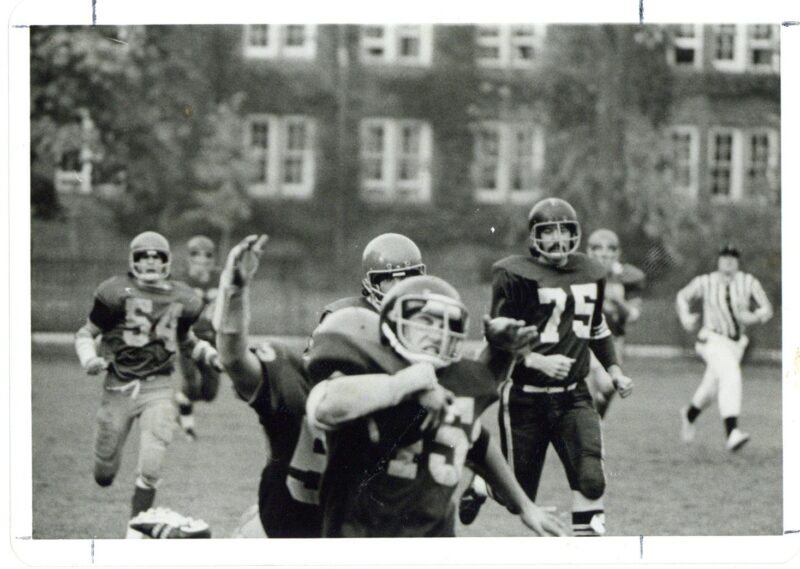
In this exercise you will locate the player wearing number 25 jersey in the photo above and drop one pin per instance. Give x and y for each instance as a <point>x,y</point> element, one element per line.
<point>401,413</point>
<point>545,399</point>
<point>143,319</point>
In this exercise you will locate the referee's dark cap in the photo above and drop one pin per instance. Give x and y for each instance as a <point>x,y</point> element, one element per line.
<point>729,250</point>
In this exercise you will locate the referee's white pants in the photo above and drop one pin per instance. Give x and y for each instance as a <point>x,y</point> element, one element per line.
<point>723,375</point>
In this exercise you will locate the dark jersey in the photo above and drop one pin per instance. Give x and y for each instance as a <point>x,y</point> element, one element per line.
<point>141,324</point>
<point>565,303</point>
<point>620,287</point>
<point>207,290</point>
<point>289,489</point>
<point>386,478</point>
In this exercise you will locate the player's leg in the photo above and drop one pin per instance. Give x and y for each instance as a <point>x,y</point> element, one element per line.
<point>727,363</point>
<point>524,434</point>
<point>113,423</point>
<point>157,426</point>
<point>705,393</point>
<point>209,382</point>
<point>579,444</point>
<point>188,394</point>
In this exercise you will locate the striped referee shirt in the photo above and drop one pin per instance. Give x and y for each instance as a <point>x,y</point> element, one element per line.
<point>724,299</point>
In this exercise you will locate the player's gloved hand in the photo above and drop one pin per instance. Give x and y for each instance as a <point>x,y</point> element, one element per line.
<point>215,361</point>
<point>435,401</point>
<point>622,383</point>
<point>96,365</point>
<point>242,262</point>
<point>508,334</point>
<point>542,523</point>
<point>206,353</point>
<point>556,366</point>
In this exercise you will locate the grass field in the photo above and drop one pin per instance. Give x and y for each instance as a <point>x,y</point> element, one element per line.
<point>656,484</point>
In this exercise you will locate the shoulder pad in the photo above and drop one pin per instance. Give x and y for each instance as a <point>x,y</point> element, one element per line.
<point>593,269</point>
<point>512,263</point>
<point>185,294</point>
<point>468,378</point>
<point>113,291</point>
<point>349,302</point>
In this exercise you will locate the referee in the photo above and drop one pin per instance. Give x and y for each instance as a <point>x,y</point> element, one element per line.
<point>731,300</point>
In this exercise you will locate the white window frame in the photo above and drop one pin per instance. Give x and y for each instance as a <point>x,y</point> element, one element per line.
<point>736,164</point>
<point>694,157</point>
<point>276,47</point>
<point>695,43</point>
<point>505,43</point>
<point>503,193</point>
<point>390,43</point>
<point>772,172</point>
<point>772,44</point>
<point>276,154</point>
<point>389,188</point>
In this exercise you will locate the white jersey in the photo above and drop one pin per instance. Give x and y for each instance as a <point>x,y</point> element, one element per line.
<point>724,299</point>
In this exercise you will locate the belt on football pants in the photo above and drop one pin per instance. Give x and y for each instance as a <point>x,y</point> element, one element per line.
<point>551,389</point>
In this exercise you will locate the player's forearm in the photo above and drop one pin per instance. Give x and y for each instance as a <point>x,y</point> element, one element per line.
<point>682,305</point>
<point>499,476</point>
<point>231,321</point>
<point>604,351</point>
<point>84,342</point>
<point>498,361</point>
<point>345,398</point>
<point>764,313</point>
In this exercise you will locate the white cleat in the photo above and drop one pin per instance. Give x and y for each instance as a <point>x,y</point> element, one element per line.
<point>736,440</point>
<point>688,429</point>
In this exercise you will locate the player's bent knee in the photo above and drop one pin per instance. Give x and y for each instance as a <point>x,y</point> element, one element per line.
<point>104,479</point>
<point>592,485</point>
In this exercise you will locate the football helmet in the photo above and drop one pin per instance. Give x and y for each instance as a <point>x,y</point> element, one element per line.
<point>555,232</point>
<point>603,245</point>
<point>424,320</point>
<point>145,245</point>
<point>390,255</point>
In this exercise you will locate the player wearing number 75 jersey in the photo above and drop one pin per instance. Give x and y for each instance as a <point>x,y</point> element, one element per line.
<point>545,399</point>
<point>143,319</point>
<point>401,411</point>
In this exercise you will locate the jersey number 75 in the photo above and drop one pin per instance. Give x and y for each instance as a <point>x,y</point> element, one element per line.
<point>585,296</point>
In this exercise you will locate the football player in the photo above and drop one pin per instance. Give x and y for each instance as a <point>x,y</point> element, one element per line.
<point>544,399</point>
<point>143,319</point>
<point>200,382</point>
<point>622,305</point>
<point>401,413</point>
<point>272,379</point>
<point>731,301</point>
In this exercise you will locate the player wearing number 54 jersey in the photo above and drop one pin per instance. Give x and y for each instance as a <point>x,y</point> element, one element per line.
<point>143,319</point>
<point>545,398</point>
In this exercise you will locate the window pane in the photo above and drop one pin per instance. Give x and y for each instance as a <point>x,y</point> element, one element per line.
<point>373,168</point>
<point>293,170</point>
<point>373,139</point>
<point>488,150</point>
<point>259,135</point>
<point>262,169</point>
<point>726,36</point>
<point>684,31</point>
<point>684,55</point>
<point>296,136</point>
<point>409,140</point>
<point>295,35</point>
<point>761,32</point>
<point>409,47</point>
<point>489,32</point>
<point>259,35</point>
<point>373,32</point>
<point>722,147</point>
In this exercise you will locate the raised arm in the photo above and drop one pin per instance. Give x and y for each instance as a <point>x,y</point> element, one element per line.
<point>232,316</point>
<point>687,294</point>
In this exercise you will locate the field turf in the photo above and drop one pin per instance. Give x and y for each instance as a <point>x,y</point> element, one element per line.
<point>656,484</point>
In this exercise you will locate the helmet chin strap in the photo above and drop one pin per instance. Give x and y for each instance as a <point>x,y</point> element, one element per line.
<point>413,357</point>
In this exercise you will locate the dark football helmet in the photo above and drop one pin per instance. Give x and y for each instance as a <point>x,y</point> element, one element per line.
<point>555,232</point>
<point>390,255</point>
<point>424,320</point>
<point>148,244</point>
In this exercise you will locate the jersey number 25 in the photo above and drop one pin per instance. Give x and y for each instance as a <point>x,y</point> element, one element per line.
<point>585,296</point>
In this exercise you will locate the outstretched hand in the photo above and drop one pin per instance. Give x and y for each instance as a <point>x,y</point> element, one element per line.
<point>242,262</point>
<point>542,523</point>
<point>508,334</point>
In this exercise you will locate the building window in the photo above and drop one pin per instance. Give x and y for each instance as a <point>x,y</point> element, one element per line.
<point>275,41</point>
<point>761,165</point>
<point>740,47</point>
<point>762,47</point>
<point>508,161</point>
<point>509,46</point>
<point>721,163</point>
<point>685,158</point>
<point>282,148</point>
<point>687,46</point>
<point>395,160</point>
<point>405,45</point>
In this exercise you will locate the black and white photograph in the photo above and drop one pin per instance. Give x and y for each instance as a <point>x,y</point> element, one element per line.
<point>365,277</point>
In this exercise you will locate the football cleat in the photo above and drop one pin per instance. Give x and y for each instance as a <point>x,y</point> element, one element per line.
<point>471,501</point>
<point>163,523</point>
<point>736,440</point>
<point>187,424</point>
<point>688,429</point>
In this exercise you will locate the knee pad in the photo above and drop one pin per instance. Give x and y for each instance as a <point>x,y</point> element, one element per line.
<point>591,479</point>
<point>103,478</point>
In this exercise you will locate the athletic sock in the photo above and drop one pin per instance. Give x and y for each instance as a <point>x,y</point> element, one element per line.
<point>692,413</point>
<point>588,516</point>
<point>730,424</point>
<point>186,408</point>
<point>143,499</point>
